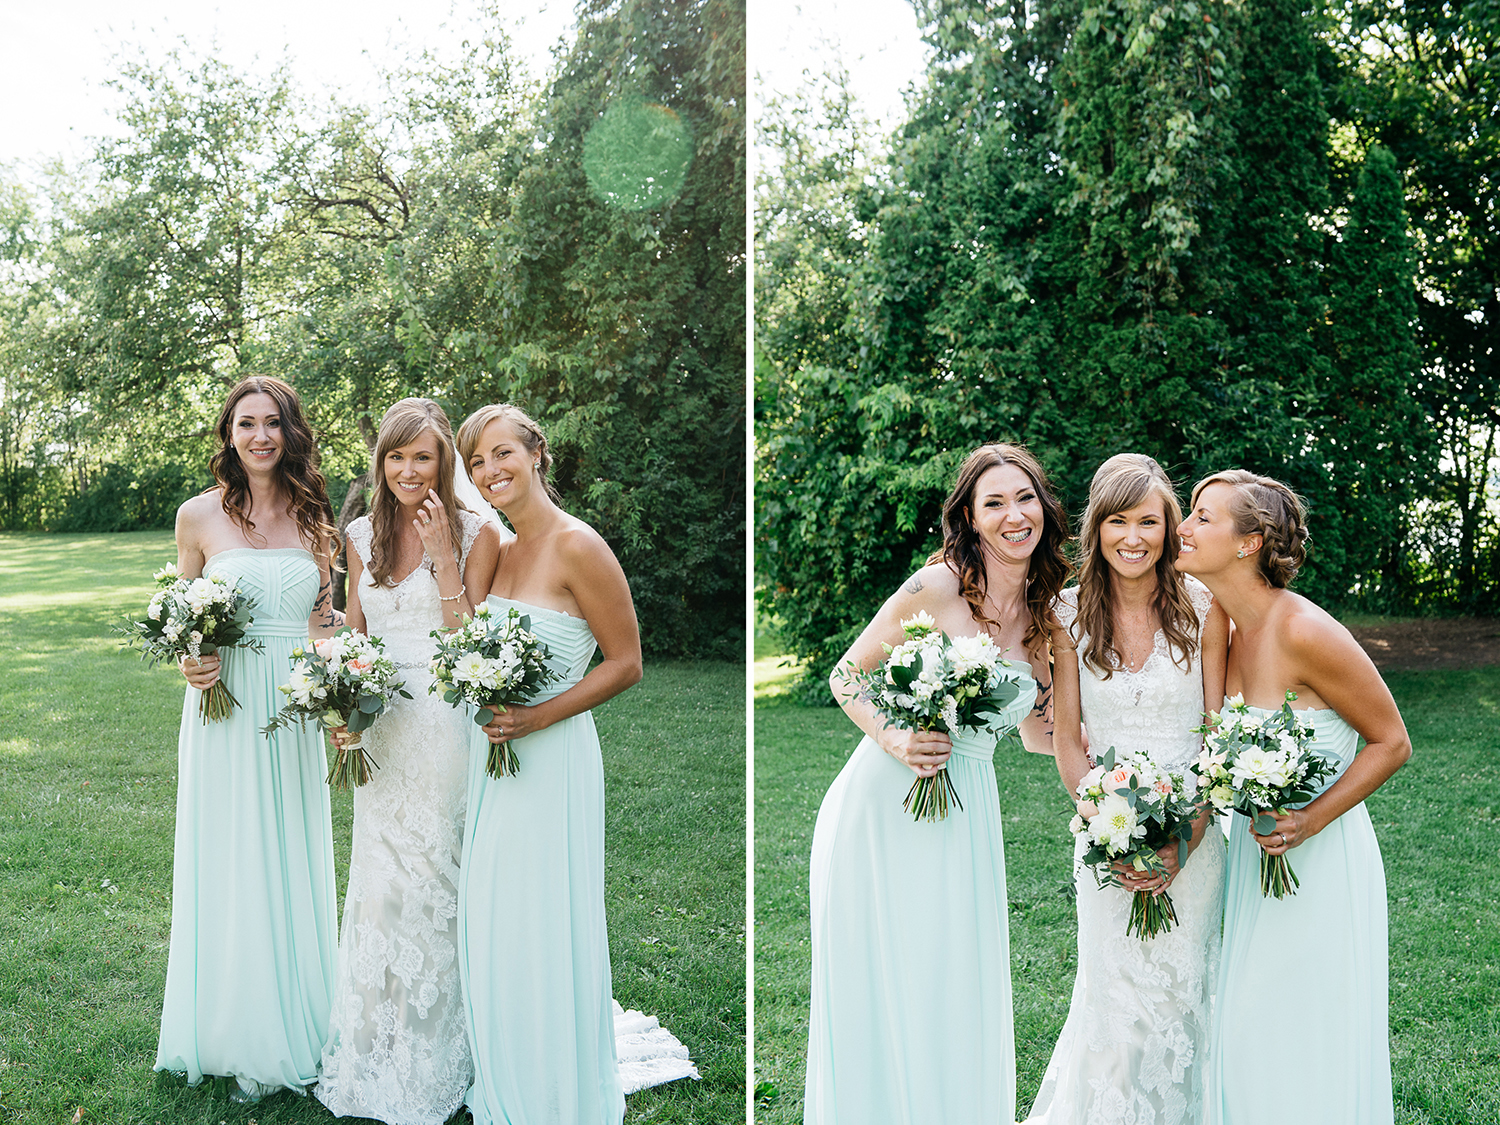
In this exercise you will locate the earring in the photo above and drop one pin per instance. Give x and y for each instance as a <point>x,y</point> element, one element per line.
<point>1239,554</point>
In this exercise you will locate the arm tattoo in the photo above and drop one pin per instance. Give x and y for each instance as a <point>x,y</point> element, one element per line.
<point>1043,700</point>
<point>330,617</point>
<point>913,584</point>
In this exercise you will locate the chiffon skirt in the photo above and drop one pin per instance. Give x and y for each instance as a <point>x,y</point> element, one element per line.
<point>250,968</point>
<point>1303,996</point>
<point>911,999</point>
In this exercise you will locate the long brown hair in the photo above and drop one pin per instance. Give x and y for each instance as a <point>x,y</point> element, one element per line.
<point>296,470</point>
<point>1125,481</point>
<point>1266,507</point>
<point>528,431</point>
<point>403,424</point>
<point>964,554</point>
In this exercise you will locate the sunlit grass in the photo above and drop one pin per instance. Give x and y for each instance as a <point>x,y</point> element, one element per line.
<point>1438,821</point>
<point>88,744</point>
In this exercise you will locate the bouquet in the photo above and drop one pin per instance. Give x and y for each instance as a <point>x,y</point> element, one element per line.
<point>933,682</point>
<point>345,681</point>
<point>1140,808</point>
<point>1253,765</point>
<point>492,662</point>
<point>194,617</point>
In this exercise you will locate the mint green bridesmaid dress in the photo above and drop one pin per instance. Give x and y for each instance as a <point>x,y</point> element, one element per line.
<point>533,951</point>
<point>250,968</point>
<point>911,997</point>
<point>1300,1022</point>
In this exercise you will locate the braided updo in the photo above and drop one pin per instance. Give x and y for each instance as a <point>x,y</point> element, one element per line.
<point>1265,507</point>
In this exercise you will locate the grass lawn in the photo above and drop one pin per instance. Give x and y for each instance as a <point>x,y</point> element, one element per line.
<point>88,741</point>
<point>1438,821</point>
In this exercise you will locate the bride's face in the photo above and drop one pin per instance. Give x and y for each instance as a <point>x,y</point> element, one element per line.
<point>412,469</point>
<point>1209,540</point>
<point>1132,542</point>
<point>1007,513</point>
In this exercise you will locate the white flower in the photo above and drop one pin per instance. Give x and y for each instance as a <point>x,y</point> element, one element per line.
<point>1077,825</point>
<point>950,712</point>
<point>969,653</point>
<point>1222,796</point>
<point>153,611</point>
<point>469,668</point>
<point>906,702</point>
<point>301,686</point>
<point>919,625</point>
<point>1267,767</point>
<point>1116,825</point>
<point>167,573</point>
<point>1288,744</point>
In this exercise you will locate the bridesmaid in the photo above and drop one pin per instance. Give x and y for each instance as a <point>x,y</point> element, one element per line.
<point>911,997</point>
<point>254,922</point>
<point>533,952</point>
<point>1324,1048</point>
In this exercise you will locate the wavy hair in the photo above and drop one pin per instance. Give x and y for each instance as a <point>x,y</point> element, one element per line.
<point>297,470</point>
<point>964,554</point>
<point>402,424</point>
<point>528,431</point>
<point>1126,481</point>
<point>1266,507</point>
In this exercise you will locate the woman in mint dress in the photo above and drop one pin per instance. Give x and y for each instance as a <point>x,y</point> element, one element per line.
<point>254,924</point>
<point>1300,1018</point>
<point>911,997</point>
<point>533,951</point>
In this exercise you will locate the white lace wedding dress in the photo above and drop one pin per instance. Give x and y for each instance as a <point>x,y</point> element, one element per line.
<point>398,1049</point>
<point>1135,1047</point>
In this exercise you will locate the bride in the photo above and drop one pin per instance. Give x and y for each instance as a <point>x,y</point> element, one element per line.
<point>398,1050</point>
<point>1150,646</point>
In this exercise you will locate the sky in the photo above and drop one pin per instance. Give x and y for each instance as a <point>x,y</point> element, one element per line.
<point>877,41</point>
<point>55,54</point>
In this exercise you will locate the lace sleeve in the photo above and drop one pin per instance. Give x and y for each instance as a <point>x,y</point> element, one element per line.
<point>360,535</point>
<point>472,525</point>
<point>1201,597</point>
<point>1066,607</point>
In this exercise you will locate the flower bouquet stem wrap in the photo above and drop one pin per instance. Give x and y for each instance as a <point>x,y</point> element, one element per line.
<point>1139,807</point>
<point>345,680</point>
<point>1257,765</point>
<point>492,662</point>
<point>933,682</point>
<point>195,617</point>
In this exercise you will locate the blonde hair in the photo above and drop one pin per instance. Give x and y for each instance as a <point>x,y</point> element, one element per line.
<point>1126,481</point>
<point>1265,507</point>
<point>528,431</point>
<point>403,424</point>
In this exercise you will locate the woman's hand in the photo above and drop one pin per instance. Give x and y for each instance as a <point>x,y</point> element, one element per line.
<point>432,527</point>
<point>924,752</point>
<point>202,673</point>
<point>1292,827</point>
<point>516,721</point>
<point>340,736</point>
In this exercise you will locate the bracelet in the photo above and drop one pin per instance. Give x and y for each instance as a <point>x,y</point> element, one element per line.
<point>454,598</point>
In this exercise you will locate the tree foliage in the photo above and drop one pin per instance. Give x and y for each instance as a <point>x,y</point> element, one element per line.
<point>1104,227</point>
<point>449,243</point>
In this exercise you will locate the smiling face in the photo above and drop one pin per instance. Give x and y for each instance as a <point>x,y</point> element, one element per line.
<point>1209,540</point>
<point>501,466</point>
<point>1007,513</point>
<point>255,432</point>
<point>412,469</point>
<point>1132,541</point>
